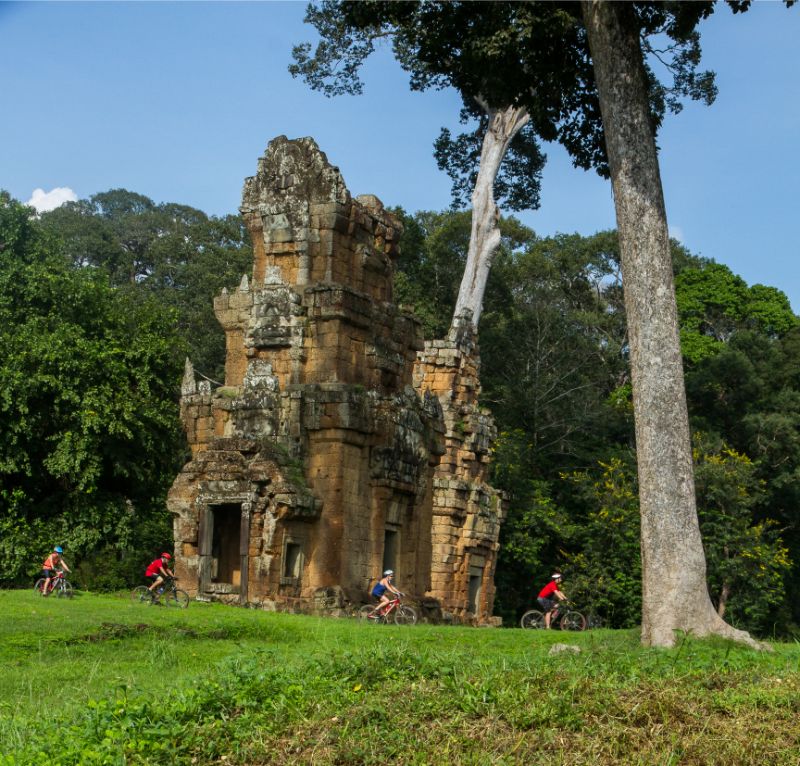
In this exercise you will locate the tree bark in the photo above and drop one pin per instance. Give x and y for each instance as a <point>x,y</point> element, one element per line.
<point>674,588</point>
<point>484,239</point>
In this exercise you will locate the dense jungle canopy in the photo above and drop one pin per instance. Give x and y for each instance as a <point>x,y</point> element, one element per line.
<point>101,300</point>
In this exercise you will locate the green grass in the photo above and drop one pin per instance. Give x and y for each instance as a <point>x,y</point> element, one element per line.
<point>130,684</point>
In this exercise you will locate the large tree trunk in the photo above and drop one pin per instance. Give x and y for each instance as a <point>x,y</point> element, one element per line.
<point>504,124</point>
<point>674,589</point>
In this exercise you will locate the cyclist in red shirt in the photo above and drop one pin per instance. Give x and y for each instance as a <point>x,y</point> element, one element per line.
<point>546,600</point>
<point>158,570</point>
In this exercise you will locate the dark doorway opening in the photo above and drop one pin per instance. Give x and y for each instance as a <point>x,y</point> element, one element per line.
<point>225,544</point>
<point>475,582</point>
<point>292,561</point>
<point>390,545</point>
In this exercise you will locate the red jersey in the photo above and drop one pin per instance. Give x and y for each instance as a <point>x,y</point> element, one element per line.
<point>52,561</point>
<point>548,589</point>
<point>154,568</point>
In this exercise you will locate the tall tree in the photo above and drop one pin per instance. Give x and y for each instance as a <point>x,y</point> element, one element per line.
<point>674,585</point>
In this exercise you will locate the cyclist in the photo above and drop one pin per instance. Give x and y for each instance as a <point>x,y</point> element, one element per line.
<point>379,591</point>
<point>546,600</point>
<point>50,568</point>
<point>158,571</point>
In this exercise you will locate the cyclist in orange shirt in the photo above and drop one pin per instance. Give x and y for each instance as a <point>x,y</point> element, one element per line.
<point>50,568</point>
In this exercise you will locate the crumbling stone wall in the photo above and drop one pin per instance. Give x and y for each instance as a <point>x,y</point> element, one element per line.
<point>467,512</point>
<point>312,468</point>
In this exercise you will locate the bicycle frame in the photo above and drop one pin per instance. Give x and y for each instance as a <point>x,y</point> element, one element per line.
<point>390,607</point>
<point>167,593</point>
<point>564,616</point>
<point>58,585</point>
<point>54,581</point>
<point>392,610</point>
<point>166,587</point>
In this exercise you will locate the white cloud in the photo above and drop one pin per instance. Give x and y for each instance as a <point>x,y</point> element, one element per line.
<point>44,201</point>
<point>676,232</point>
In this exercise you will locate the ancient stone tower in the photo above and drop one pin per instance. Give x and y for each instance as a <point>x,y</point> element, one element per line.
<point>340,445</point>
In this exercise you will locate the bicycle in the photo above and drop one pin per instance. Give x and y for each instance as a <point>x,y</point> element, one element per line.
<point>563,616</point>
<point>62,587</point>
<point>400,613</point>
<point>167,593</point>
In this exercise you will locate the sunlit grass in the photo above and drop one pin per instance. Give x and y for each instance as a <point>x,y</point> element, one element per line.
<point>139,685</point>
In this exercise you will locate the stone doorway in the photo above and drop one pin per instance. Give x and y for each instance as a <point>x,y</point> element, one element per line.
<point>223,566</point>
<point>474,594</point>
<point>225,542</point>
<point>390,547</point>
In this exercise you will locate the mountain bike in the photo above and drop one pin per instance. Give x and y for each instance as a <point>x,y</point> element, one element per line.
<point>563,616</point>
<point>58,584</point>
<point>394,611</point>
<point>167,594</point>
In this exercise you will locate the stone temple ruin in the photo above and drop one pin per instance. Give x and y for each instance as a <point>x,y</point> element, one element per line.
<point>340,444</point>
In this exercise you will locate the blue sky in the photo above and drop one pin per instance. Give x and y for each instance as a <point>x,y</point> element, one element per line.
<point>178,100</point>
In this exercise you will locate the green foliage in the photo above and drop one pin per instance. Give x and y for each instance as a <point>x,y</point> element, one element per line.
<point>433,251</point>
<point>533,528</point>
<point>749,395</point>
<point>174,253</point>
<point>714,304</point>
<point>606,569</point>
<point>553,346</point>
<point>555,375</point>
<point>88,380</point>
<point>553,336</point>
<point>533,55</point>
<point>490,53</point>
<point>746,559</point>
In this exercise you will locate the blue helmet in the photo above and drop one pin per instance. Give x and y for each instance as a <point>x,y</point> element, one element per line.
<point>58,549</point>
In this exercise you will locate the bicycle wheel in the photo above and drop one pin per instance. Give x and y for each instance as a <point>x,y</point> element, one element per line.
<point>532,619</point>
<point>176,598</point>
<point>39,585</point>
<point>573,620</point>
<point>140,594</point>
<point>405,615</point>
<point>365,612</point>
<point>64,590</point>
<point>593,621</point>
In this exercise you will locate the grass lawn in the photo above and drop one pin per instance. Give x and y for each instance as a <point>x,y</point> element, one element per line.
<point>101,680</point>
